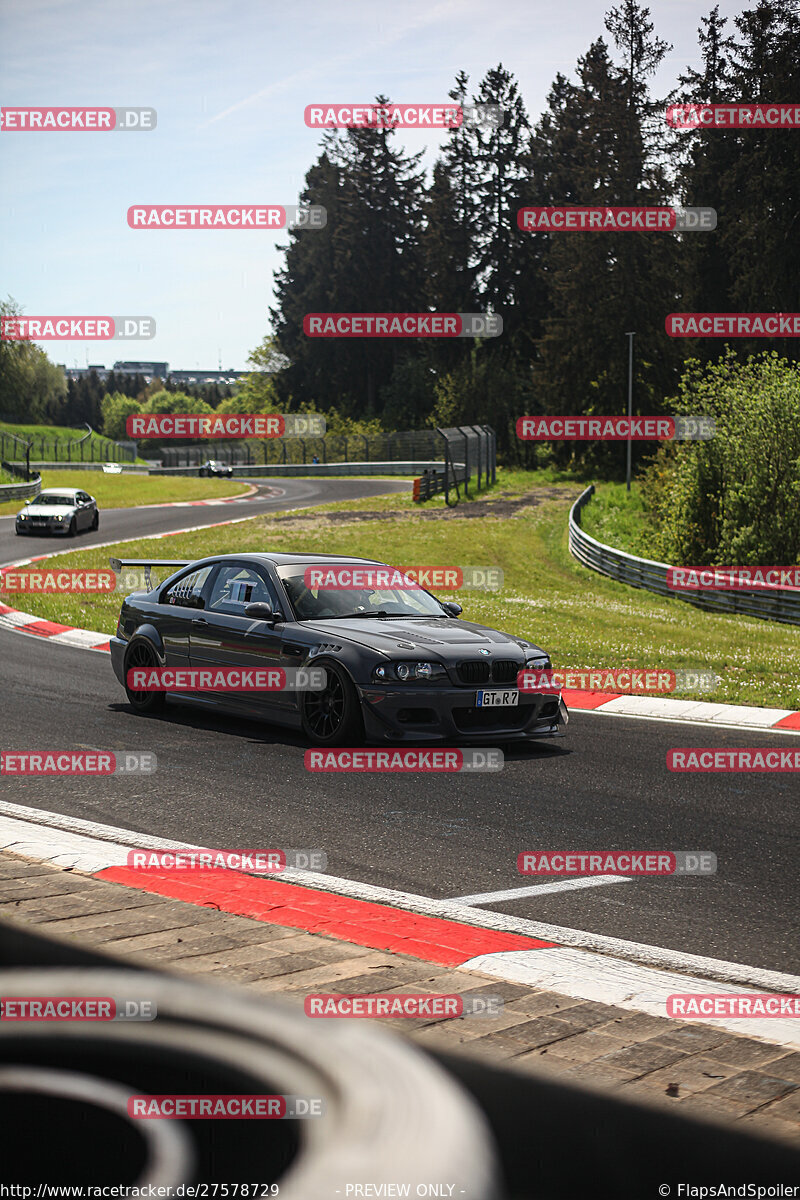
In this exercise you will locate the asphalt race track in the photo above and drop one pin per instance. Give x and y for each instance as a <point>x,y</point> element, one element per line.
<point>118,524</point>
<point>226,782</point>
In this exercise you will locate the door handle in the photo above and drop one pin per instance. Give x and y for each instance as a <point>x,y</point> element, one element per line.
<point>199,621</point>
<point>294,651</point>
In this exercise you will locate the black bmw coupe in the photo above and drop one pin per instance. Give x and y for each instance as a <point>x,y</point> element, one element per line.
<point>400,666</point>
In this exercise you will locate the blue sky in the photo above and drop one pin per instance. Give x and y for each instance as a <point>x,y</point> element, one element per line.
<point>230,80</point>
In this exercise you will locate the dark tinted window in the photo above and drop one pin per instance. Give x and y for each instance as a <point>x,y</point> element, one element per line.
<point>236,586</point>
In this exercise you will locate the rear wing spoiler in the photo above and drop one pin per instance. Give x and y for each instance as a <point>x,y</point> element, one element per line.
<point>144,565</point>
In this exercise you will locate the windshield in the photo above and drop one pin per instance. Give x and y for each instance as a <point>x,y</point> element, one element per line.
<point>58,500</point>
<point>354,590</point>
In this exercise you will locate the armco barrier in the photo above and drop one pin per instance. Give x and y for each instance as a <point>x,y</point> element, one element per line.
<point>779,605</point>
<point>126,468</point>
<point>23,490</point>
<point>323,470</point>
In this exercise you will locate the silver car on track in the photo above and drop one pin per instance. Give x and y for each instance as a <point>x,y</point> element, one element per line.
<point>59,510</point>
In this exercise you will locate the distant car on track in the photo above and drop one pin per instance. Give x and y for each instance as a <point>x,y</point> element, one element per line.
<point>112,468</point>
<point>59,510</point>
<point>400,666</point>
<point>213,466</point>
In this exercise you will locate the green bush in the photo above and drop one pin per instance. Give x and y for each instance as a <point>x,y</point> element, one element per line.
<point>735,499</point>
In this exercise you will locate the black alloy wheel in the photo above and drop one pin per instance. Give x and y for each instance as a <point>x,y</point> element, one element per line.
<point>141,654</point>
<point>333,717</point>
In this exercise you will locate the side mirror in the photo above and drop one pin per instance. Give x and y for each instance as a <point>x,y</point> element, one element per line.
<point>453,609</point>
<point>262,611</point>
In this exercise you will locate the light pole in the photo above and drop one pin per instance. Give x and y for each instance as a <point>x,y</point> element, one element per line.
<point>630,337</point>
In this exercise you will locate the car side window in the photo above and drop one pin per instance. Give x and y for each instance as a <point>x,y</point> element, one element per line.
<point>186,589</point>
<point>236,586</point>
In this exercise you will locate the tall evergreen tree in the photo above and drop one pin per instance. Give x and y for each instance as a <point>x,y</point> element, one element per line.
<point>367,259</point>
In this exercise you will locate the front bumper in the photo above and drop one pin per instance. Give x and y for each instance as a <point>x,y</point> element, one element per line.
<point>416,715</point>
<point>50,527</point>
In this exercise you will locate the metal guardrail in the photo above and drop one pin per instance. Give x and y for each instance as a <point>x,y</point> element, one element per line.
<point>19,491</point>
<point>312,470</point>
<point>774,605</point>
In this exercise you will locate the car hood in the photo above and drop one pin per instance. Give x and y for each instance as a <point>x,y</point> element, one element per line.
<point>446,638</point>
<point>49,510</point>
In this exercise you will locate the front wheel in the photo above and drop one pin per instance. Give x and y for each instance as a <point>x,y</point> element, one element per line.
<point>333,717</point>
<point>141,654</point>
<point>95,522</point>
<point>73,528</point>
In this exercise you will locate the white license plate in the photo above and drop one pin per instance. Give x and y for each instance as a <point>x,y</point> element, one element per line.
<point>498,699</point>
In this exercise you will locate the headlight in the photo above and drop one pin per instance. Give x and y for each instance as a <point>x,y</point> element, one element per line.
<point>540,663</point>
<point>405,672</point>
<point>22,517</point>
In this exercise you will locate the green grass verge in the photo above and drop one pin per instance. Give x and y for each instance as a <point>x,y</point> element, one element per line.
<point>131,491</point>
<point>617,517</point>
<point>583,619</point>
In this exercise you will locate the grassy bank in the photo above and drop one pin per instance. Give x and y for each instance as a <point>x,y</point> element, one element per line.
<point>618,518</point>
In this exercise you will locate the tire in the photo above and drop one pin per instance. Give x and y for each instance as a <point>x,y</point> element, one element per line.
<point>333,717</point>
<point>141,654</point>
<point>73,528</point>
<point>96,522</point>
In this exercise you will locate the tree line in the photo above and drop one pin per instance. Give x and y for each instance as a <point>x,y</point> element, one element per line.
<point>398,241</point>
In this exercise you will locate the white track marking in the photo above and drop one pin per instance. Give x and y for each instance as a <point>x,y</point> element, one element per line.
<point>541,889</point>
<point>587,976</point>
<point>688,710</point>
<point>702,723</point>
<point>675,960</point>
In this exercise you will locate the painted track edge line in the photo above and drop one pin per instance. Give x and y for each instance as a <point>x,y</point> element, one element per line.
<point>598,944</point>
